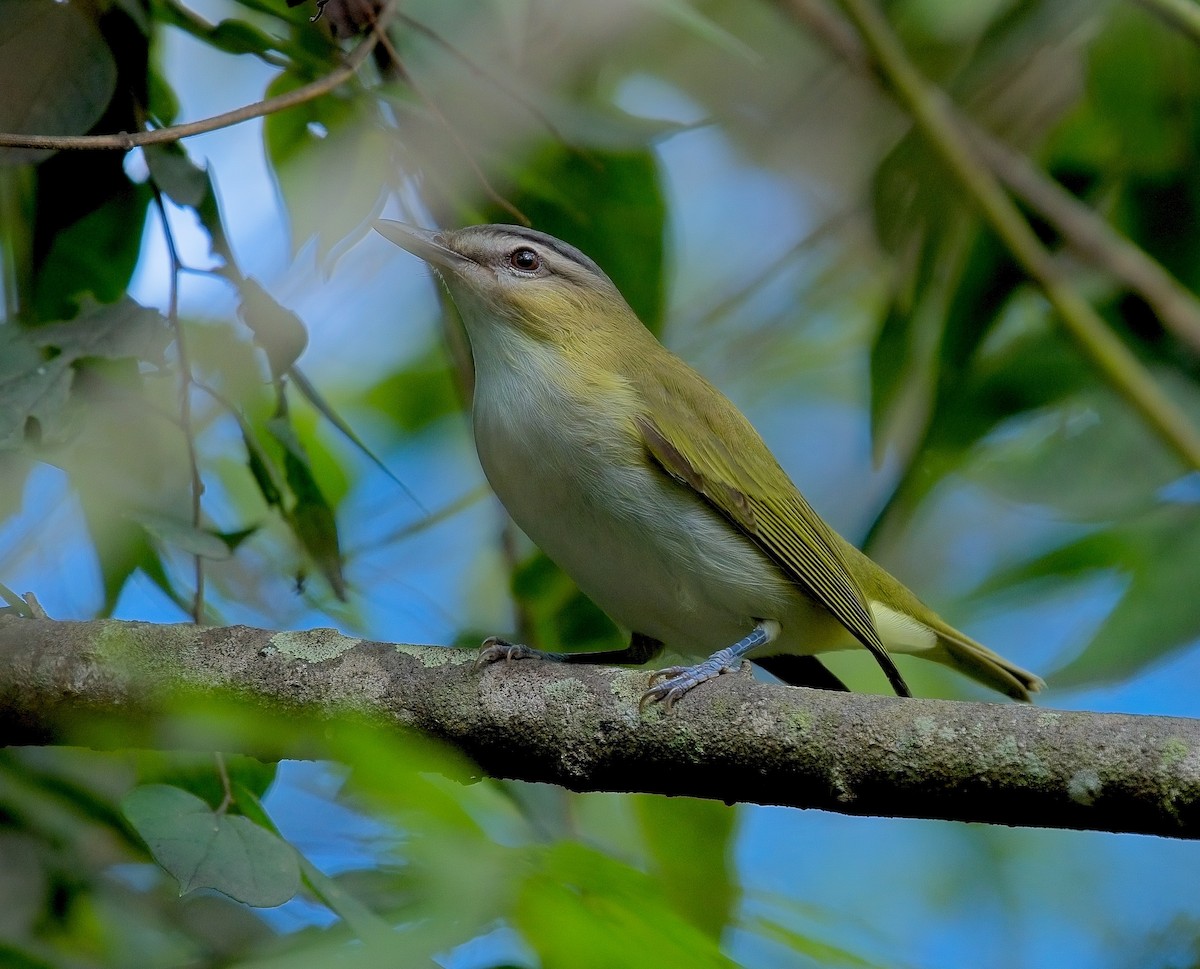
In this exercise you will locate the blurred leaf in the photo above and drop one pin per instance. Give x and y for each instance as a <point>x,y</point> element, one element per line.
<point>56,72</point>
<point>183,535</point>
<point>197,773</point>
<point>584,910</point>
<point>325,409</point>
<point>690,842</point>
<point>262,469</point>
<point>204,849</point>
<point>417,395</point>
<point>311,518</point>
<point>37,365</point>
<point>332,161</point>
<point>607,203</point>
<point>708,30</point>
<point>95,255</point>
<point>24,885</point>
<point>1039,457</point>
<point>563,617</point>
<point>173,171</point>
<point>821,953</point>
<point>1156,615</point>
<point>276,329</point>
<point>1144,83</point>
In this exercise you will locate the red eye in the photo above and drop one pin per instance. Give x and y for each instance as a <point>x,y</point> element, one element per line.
<point>525,260</point>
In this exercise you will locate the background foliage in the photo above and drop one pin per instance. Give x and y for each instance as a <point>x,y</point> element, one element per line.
<point>222,397</point>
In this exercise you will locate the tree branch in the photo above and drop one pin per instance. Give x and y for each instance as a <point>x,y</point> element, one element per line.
<point>125,140</point>
<point>734,740</point>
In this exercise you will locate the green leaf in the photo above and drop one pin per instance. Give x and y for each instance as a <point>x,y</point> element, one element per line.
<point>561,614</point>
<point>608,203</point>
<point>204,849</point>
<point>1076,457</point>
<point>183,181</point>
<point>419,394</point>
<point>95,255</point>
<point>311,518</point>
<point>56,72</point>
<point>197,773</point>
<point>325,409</point>
<point>585,910</point>
<point>690,841</point>
<point>1156,615</point>
<point>183,535</point>
<point>37,366</point>
<point>820,953</point>
<point>276,329</point>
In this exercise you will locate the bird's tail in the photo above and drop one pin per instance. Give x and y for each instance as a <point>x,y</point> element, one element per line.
<point>991,669</point>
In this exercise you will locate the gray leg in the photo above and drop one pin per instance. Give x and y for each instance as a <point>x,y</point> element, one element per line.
<point>680,679</point>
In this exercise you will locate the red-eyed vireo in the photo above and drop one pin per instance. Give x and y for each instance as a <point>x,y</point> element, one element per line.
<point>653,491</point>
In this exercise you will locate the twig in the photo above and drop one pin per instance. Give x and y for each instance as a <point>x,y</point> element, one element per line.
<point>463,148</point>
<point>185,401</point>
<point>125,140</point>
<point>1094,239</point>
<point>1080,227</point>
<point>933,113</point>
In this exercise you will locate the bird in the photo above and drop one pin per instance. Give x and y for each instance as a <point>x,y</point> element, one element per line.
<point>649,487</point>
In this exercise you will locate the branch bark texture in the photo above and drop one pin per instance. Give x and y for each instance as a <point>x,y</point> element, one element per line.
<point>734,740</point>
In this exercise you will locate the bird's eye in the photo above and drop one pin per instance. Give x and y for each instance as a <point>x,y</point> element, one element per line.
<point>524,260</point>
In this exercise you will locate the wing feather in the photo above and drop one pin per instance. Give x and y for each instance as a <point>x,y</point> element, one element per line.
<point>754,493</point>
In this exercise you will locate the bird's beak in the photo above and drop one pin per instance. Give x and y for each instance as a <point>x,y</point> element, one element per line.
<point>423,243</point>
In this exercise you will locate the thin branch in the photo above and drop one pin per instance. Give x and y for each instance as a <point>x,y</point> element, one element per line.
<point>735,739</point>
<point>125,140</point>
<point>1094,239</point>
<point>535,112</point>
<point>933,113</point>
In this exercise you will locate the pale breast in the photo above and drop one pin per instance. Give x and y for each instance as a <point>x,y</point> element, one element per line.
<point>644,548</point>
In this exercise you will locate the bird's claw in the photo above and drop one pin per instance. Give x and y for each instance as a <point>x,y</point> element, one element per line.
<point>677,681</point>
<point>494,648</point>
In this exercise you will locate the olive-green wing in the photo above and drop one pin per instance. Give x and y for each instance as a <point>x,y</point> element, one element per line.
<point>755,494</point>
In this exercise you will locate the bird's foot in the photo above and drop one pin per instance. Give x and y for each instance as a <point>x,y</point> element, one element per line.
<point>678,680</point>
<point>494,648</point>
